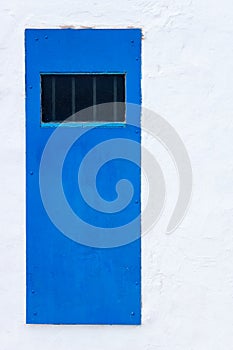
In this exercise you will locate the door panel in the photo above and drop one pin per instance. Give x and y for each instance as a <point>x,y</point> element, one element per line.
<point>68,281</point>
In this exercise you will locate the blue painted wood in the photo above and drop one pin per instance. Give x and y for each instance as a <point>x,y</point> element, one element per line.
<point>69,283</point>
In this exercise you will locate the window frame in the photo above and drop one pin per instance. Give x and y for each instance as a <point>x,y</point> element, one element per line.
<point>104,124</point>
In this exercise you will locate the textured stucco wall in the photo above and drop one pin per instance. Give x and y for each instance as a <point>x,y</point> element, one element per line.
<point>187,79</point>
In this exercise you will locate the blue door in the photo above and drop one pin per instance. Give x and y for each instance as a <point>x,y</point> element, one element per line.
<point>83,176</point>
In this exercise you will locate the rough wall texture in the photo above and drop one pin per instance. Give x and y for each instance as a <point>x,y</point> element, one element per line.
<point>187,78</point>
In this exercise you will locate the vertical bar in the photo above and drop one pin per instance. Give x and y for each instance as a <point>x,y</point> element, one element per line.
<point>73,98</point>
<point>115,98</point>
<point>94,98</point>
<point>53,98</point>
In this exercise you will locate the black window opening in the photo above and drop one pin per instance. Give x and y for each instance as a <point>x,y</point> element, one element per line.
<point>63,95</point>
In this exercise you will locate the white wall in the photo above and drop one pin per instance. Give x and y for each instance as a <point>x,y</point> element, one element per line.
<point>188,79</point>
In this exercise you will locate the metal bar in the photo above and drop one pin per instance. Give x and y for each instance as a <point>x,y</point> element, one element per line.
<point>94,99</point>
<point>73,99</point>
<point>115,98</point>
<point>53,98</point>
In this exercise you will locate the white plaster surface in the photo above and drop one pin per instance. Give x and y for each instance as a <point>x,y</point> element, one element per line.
<point>188,79</point>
